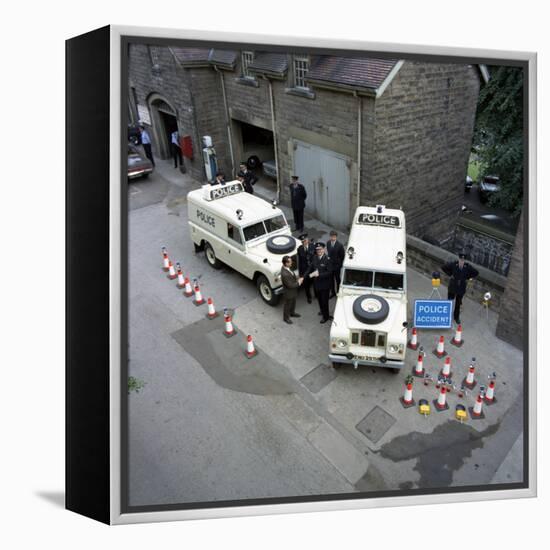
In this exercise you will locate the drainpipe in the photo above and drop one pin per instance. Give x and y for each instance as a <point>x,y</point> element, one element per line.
<point>275,140</point>
<point>359,140</point>
<point>228,121</point>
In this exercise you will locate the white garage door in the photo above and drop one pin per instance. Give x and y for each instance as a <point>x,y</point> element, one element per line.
<point>326,177</point>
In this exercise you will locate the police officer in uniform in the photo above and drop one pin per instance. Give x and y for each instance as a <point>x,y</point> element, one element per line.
<point>249,179</point>
<point>298,196</point>
<point>306,251</point>
<point>459,272</point>
<point>320,271</point>
<point>291,283</point>
<point>336,252</point>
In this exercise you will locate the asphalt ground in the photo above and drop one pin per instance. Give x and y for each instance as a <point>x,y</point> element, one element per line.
<point>211,424</point>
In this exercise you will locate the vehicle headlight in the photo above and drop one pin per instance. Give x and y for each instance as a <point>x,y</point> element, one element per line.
<point>342,343</point>
<point>394,348</point>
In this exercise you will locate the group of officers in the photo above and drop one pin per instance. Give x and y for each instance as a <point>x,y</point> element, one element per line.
<point>319,266</point>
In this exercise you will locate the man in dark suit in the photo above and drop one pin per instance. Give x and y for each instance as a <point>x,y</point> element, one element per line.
<point>249,179</point>
<point>320,271</point>
<point>291,283</point>
<point>459,272</point>
<point>298,196</point>
<point>336,253</point>
<point>306,251</point>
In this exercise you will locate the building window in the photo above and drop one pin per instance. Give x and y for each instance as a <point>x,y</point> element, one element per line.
<point>301,66</point>
<point>247,58</point>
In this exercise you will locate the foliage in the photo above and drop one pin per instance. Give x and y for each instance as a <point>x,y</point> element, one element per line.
<point>498,135</point>
<point>135,384</point>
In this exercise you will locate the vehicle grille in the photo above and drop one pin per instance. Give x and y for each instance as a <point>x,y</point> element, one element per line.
<point>372,339</point>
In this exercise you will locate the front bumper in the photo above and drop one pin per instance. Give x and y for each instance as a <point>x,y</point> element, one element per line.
<point>355,361</point>
<point>139,173</point>
<point>278,290</point>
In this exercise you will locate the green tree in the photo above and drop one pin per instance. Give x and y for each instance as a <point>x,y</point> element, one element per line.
<point>498,135</point>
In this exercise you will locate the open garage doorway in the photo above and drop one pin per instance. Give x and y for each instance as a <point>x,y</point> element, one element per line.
<point>258,151</point>
<point>164,123</point>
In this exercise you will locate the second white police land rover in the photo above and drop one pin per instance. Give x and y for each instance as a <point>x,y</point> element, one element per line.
<point>244,232</point>
<point>370,317</point>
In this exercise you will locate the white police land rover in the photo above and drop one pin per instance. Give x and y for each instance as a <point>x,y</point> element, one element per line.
<point>370,318</point>
<point>244,232</point>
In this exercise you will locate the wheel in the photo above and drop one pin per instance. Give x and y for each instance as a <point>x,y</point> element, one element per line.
<point>266,292</point>
<point>395,370</point>
<point>145,176</point>
<point>211,256</point>
<point>370,309</point>
<point>253,162</point>
<point>281,244</point>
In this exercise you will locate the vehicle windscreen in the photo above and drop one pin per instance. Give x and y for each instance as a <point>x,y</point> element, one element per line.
<point>275,223</point>
<point>358,277</point>
<point>254,231</point>
<point>388,281</point>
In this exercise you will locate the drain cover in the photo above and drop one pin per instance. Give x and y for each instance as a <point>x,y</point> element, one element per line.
<point>376,424</point>
<point>315,380</point>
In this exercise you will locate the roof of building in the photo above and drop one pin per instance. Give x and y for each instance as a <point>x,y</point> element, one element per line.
<point>376,246</point>
<point>356,72</point>
<point>192,56</point>
<point>223,58</point>
<point>275,64</point>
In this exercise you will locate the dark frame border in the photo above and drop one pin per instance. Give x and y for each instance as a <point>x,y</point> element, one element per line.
<point>126,40</point>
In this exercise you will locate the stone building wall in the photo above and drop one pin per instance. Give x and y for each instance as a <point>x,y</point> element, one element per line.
<point>423,125</point>
<point>511,318</point>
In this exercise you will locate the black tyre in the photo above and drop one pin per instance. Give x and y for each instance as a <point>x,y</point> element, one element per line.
<point>281,244</point>
<point>253,162</point>
<point>266,292</point>
<point>370,309</point>
<point>211,256</point>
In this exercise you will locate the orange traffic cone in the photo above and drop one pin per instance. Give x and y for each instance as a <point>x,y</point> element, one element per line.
<point>413,342</point>
<point>165,259</point>
<point>212,313</point>
<point>250,349</point>
<point>171,271</point>
<point>229,329</point>
<point>440,403</point>
<point>457,339</point>
<point>476,412</point>
<point>446,370</point>
<point>188,292</point>
<point>490,395</point>
<point>181,280</point>
<point>407,399</point>
<point>418,370</point>
<point>439,351</point>
<point>199,300</point>
<point>470,381</point>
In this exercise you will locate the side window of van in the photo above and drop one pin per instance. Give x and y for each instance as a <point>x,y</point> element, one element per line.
<point>234,233</point>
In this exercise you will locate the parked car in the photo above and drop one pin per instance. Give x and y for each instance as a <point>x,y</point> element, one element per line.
<point>270,169</point>
<point>468,184</point>
<point>133,134</point>
<point>488,186</point>
<point>139,166</point>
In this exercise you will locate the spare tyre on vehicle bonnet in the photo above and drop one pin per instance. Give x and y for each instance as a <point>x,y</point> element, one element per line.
<point>281,244</point>
<point>370,309</point>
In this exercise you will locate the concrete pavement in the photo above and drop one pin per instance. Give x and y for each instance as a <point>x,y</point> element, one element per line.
<point>210,426</point>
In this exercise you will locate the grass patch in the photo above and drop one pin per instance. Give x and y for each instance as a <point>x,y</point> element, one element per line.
<point>474,168</point>
<point>135,384</point>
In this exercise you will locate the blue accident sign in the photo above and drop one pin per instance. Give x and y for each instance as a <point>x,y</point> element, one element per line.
<point>433,313</point>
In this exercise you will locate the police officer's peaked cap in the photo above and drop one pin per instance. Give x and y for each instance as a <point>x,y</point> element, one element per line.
<point>319,245</point>
<point>294,177</point>
<point>462,256</point>
<point>303,236</point>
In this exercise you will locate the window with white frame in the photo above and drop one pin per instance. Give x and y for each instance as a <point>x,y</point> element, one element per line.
<point>301,67</point>
<point>247,58</point>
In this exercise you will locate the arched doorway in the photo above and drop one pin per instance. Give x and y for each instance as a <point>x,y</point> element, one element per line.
<point>164,121</point>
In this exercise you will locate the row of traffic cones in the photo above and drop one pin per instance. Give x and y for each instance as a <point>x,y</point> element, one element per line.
<point>440,404</point>
<point>188,291</point>
<point>440,346</point>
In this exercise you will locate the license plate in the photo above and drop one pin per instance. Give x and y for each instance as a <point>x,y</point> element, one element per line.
<point>364,358</point>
